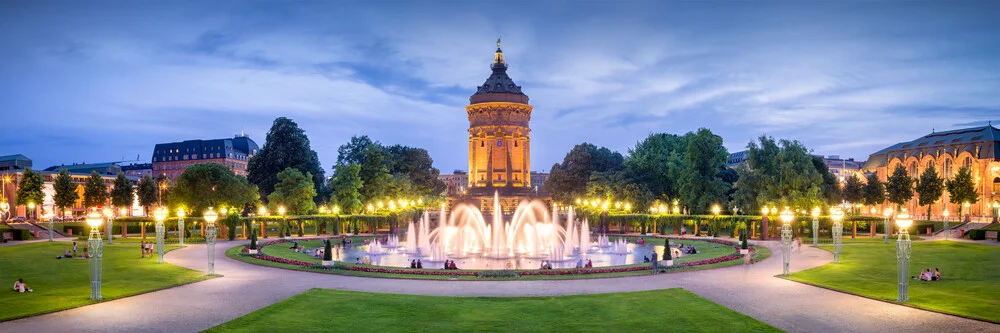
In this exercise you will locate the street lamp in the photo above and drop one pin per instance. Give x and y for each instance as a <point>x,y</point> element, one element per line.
<point>903,254</point>
<point>160,214</point>
<point>180,224</point>
<point>885,224</point>
<point>262,211</point>
<point>31,209</point>
<point>50,216</point>
<point>94,220</point>
<point>281,211</point>
<point>109,214</point>
<point>786,239</point>
<point>838,231</point>
<point>945,213</point>
<point>996,209</point>
<point>968,210</point>
<point>815,214</point>
<point>210,217</point>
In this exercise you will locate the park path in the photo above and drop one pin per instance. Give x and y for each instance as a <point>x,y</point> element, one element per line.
<point>244,288</point>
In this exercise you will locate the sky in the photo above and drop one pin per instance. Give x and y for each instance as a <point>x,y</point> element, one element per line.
<point>105,81</point>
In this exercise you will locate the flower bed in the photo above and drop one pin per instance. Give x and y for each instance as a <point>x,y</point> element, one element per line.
<point>437,272</point>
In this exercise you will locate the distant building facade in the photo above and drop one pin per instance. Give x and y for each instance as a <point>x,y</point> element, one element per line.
<point>10,179</point>
<point>977,148</point>
<point>737,158</point>
<point>844,167</point>
<point>138,170</point>
<point>171,159</point>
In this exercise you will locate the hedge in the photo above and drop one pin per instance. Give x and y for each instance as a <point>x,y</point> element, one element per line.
<point>17,234</point>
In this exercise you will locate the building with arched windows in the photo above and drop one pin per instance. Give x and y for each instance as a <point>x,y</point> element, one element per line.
<point>948,151</point>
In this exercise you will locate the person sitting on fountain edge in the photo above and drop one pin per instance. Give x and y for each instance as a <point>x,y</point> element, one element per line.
<point>453,265</point>
<point>589,264</point>
<point>645,259</point>
<point>579,263</point>
<point>419,264</point>
<point>413,264</point>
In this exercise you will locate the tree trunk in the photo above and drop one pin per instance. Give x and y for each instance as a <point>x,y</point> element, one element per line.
<point>263,228</point>
<point>854,234</point>
<point>764,228</point>
<point>872,227</point>
<point>124,229</point>
<point>142,229</point>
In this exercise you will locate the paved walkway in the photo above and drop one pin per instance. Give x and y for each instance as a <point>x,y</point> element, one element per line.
<point>752,290</point>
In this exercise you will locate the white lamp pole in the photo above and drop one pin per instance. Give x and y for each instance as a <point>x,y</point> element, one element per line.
<point>109,214</point>
<point>903,255</point>
<point>180,225</point>
<point>815,214</point>
<point>786,239</point>
<point>885,224</point>
<point>160,214</point>
<point>50,216</point>
<point>838,231</point>
<point>946,231</point>
<point>94,220</point>
<point>210,217</point>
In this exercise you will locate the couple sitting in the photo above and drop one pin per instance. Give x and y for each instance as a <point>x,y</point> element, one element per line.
<point>20,287</point>
<point>450,264</point>
<point>545,265</point>
<point>65,255</point>
<point>416,264</point>
<point>927,275</point>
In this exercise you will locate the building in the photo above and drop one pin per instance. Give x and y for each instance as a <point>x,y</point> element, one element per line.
<point>844,167</point>
<point>499,142</point>
<point>976,148</point>
<point>11,176</point>
<point>737,158</point>
<point>170,159</point>
<point>138,170</point>
<point>457,182</point>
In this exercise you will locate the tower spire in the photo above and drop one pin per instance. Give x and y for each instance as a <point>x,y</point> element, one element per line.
<point>498,57</point>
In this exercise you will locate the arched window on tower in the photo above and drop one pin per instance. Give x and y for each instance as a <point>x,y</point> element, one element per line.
<point>913,169</point>
<point>968,162</point>
<point>482,143</point>
<point>947,169</point>
<point>499,143</point>
<point>515,144</point>
<point>996,185</point>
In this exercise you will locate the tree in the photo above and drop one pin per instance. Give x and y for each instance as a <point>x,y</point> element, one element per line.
<point>346,183</point>
<point>372,158</point>
<point>962,189</point>
<point>212,185</point>
<point>95,193</point>
<point>657,162</point>
<point>830,190</point>
<point>122,195</point>
<point>569,179</point>
<point>29,190</point>
<point>899,187</point>
<point>66,195</point>
<point>781,172</point>
<point>286,146</point>
<point>929,189</point>
<point>704,159</point>
<point>854,191</point>
<point>874,190</point>
<point>295,191</point>
<point>147,193</point>
<point>418,167</point>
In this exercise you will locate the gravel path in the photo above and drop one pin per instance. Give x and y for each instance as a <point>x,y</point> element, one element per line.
<point>752,290</point>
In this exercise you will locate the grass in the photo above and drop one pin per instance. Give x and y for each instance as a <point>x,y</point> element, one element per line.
<point>866,239</point>
<point>970,284</point>
<point>65,283</point>
<point>705,251</point>
<point>324,310</point>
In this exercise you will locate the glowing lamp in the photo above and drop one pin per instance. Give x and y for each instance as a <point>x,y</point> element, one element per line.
<point>945,213</point>
<point>787,216</point>
<point>836,214</point>
<point>815,212</point>
<point>94,219</point>
<point>903,220</point>
<point>160,214</point>
<point>211,216</point>
<point>281,210</point>
<point>262,211</point>
<point>715,209</point>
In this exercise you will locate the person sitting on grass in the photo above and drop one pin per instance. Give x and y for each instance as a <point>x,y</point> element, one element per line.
<point>413,264</point>
<point>452,266</point>
<point>65,255</point>
<point>579,263</point>
<point>420,264</point>
<point>645,259</point>
<point>589,264</point>
<point>925,275</point>
<point>20,287</point>
<point>937,275</point>
<point>357,260</point>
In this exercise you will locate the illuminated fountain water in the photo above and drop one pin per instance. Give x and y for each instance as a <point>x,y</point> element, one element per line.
<point>392,242</point>
<point>602,242</point>
<point>376,248</point>
<point>620,246</point>
<point>532,232</point>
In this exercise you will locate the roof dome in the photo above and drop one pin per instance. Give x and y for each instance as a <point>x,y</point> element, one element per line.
<point>499,87</point>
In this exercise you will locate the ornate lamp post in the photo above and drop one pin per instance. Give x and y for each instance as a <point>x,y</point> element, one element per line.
<point>4,207</point>
<point>180,224</point>
<point>996,209</point>
<point>945,213</point>
<point>885,224</point>
<point>94,220</point>
<point>715,219</point>
<point>108,214</point>
<point>281,211</point>
<point>160,214</point>
<point>815,214</point>
<point>262,212</point>
<point>968,210</point>
<point>31,209</point>
<point>50,216</point>
<point>786,239</point>
<point>838,232</point>
<point>210,217</point>
<point>903,255</point>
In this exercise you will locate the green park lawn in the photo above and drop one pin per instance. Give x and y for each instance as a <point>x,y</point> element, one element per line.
<point>970,284</point>
<point>324,310</point>
<point>61,284</point>
<point>706,250</point>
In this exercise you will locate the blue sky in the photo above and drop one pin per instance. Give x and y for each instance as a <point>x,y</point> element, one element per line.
<point>98,81</point>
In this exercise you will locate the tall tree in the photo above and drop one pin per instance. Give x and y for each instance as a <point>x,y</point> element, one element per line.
<point>294,191</point>
<point>568,180</point>
<point>346,184</point>
<point>286,146</point>
<point>29,189</point>
<point>122,195</point>
<point>829,188</point>
<point>781,172</point>
<point>704,159</point>
<point>373,160</point>
<point>874,190</point>
<point>147,193</point>
<point>899,187</point>
<point>929,189</point>
<point>962,189</point>
<point>853,191</point>
<point>658,162</point>
<point>212,185</point>
<point>416,165</point>
<point>95,193</point>
<point>66,194</point>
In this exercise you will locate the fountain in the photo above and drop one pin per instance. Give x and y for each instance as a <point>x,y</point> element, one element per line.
<point>620,246</point>
<point>376,248</point>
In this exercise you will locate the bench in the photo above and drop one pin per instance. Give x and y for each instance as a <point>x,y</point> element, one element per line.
<point>991,235</point>
<point>7,236</point>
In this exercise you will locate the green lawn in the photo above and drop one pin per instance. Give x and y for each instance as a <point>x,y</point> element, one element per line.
<point>706,250</point>
<point>866,239</point>
<point>970,284</point>
<point>61,284</point>
<point>324,310</point>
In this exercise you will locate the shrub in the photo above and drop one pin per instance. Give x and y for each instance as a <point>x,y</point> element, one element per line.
<point>666,249</point>
<point>977,234</point>
<point>253,239</point>
<point>328,250</point>
<point>498,274</point>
